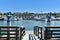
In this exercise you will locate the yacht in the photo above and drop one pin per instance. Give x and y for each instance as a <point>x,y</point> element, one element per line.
<point>39,18</point>
<point>55,19</point>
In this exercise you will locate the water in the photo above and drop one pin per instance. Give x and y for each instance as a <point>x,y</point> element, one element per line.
<point>29,24</point>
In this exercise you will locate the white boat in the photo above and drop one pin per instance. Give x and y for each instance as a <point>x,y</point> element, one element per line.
<point>20,18</point>
<point>39,19</point>
<point>55,19</point>
<point>1,18</point>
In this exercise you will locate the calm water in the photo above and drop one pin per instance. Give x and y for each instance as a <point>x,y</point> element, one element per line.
<point>29,24</point>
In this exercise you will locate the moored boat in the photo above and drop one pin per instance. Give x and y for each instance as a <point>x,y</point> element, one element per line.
<point>39,19</point>
<point>1,18</point>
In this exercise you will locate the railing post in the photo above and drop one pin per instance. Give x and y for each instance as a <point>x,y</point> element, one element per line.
<point>8,35</point>
<point>0,33</point>
<point>45,34</point>
<point>16,34</point>
<point>41,33</point>
<point>38,32</point>
<point>22,32</point>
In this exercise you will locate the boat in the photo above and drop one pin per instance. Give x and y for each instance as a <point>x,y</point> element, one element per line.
<point>14,18</point>
<point>1,18</point>
<point>39,18</point>
<point>55,19</point>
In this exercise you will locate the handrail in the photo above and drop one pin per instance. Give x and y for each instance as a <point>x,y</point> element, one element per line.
<point>50,31</point>
<point>22,32</point>
<point>9,32</point>
<point>38,31</point>
<point>12,30</point>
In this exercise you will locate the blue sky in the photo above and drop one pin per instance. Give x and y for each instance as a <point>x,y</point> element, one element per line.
<point>30,5</point>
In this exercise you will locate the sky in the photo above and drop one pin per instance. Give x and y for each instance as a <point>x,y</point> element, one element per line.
<point>30,6</point>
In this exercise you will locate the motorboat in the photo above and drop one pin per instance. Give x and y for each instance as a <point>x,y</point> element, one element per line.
<point>55,19</point>
<point>39,18</point>
<point>1,18</point>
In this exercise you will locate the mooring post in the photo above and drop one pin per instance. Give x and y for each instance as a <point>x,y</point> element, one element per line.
<point>8,18</point>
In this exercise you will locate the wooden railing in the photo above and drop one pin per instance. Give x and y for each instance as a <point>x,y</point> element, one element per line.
<point>22,32</point>
<point>11,32</point>
<point>52,32</point>
<point>38,32</point>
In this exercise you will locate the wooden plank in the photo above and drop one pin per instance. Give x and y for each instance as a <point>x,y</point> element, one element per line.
<point>49,32</point>
<point>9,27</point>
<point>8,32</point>
<point>52,27</point>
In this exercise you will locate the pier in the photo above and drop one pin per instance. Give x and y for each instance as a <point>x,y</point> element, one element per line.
<point>20,33</point>
<point>50,33</point>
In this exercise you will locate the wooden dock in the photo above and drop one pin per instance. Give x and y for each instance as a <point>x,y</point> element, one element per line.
<point>19,33</point>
